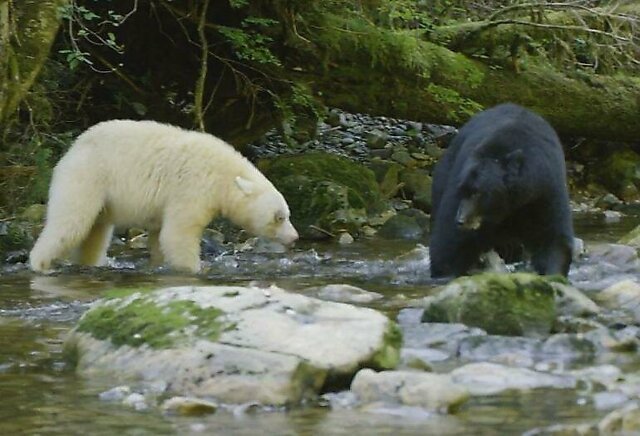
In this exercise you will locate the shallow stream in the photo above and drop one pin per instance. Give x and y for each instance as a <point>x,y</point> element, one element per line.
<point>39,394</point>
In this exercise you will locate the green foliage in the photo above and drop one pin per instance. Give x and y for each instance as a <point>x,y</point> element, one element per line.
<point>249,45</point>
<point>95,29</point>
<point>459,108</point>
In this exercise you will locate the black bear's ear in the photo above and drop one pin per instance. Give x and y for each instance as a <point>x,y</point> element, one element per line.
<point>513,162</point>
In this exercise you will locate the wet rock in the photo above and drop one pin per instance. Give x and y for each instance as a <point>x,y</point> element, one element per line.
<point>500,349</point>
<point>16,236</point>
<point>345,238</point>
<point>624,421</point>
<point>212,243</point>
<point>608,201</point>
<point>139,242</point>
<point>336,119</point>
<point>346,294</point>
<point>603,375</point>
<point>612,216</point>
<point>518,304</point>
<point>417,184</point>
<point>619,172</point>
<point>119,393</point>
<point>136,401</point>
<point>401,227</point>
<point>623,295</point>
<point>404,158</point>
<point>431,342</point>
<point>376,139</point>
<point>34,214</point>
<point>609,400</point>
<point>564,430</point>
<point>187,406</point>
<point>606,265</point>
<point>572,302</point>
<point>621,341</point>
<point>489,379</point>
<point>234,344</point>
<point>622,256</point>
<point>578,249</point>
<point>632,238</point>
<point>430,391</point>
<point>261,245</point>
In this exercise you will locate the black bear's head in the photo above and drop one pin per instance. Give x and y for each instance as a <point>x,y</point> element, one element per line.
<point>485,189</point>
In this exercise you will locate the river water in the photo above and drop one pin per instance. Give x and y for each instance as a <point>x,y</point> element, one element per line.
<point>39,394</point>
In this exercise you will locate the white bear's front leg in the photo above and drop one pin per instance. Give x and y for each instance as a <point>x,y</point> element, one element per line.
<point>180,244</point>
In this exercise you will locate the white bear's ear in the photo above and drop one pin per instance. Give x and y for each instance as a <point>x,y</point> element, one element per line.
<point>245,185</point>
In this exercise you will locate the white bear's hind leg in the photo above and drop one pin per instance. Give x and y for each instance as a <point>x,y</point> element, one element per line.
<point>93,250</point>
<point>70,217</point>
<point>157,258</point>
<point>180,244</point>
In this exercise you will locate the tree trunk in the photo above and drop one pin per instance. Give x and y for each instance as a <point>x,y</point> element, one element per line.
<point>27,30</point>
<point>396,73</point>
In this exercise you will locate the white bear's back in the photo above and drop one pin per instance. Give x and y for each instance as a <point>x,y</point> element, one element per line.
<point>142,166</point>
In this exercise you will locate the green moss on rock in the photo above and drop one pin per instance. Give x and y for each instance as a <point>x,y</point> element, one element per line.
<point>325,191</point>
<point>142,321</point>
<point>504,304</point>
<point>388,356</point>
<point>620,171</point>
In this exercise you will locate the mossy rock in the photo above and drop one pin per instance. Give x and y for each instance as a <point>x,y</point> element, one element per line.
<point>632,238</point>
<point>417,184</point>
<point>15,235</point>
<point>621,171</point>
<point>139,320</point>
<point>518,304</point>
<point>325,191</point>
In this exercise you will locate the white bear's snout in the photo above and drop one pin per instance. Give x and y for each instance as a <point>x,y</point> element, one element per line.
<point>287,234</point>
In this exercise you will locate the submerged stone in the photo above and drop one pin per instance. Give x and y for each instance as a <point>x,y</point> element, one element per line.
<point>491,379</point>
<point>435,392</point>
<point>232,344</point>
<point>518,304</point>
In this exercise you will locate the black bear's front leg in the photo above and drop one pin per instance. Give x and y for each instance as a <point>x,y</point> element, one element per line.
<point>554,257</point>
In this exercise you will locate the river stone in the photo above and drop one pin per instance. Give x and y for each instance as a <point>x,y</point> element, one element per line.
<point>401,227</point>
<point>346,294</point>
<point>518,304</point>
<point>490,378</point>
<point>623,295</point>
<point>572,302</point>
<point>632,238</point>
<point>233,344</point>
<point>434,392</point>
<point>187,406</point>
<point>624,421</point>
<point>417,184</point>
<point>564,430</point>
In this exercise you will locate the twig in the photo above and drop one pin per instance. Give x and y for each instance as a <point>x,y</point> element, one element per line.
<point>204,58</point>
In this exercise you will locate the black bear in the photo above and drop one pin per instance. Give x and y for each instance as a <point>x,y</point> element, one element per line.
<point>501,183</point>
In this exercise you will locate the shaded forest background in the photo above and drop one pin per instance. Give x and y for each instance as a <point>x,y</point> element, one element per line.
<point>238,68</point>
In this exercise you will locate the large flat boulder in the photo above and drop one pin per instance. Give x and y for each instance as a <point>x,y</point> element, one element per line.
<point>235,344</point>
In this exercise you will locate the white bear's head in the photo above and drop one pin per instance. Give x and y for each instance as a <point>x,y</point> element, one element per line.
<point>264,211</point>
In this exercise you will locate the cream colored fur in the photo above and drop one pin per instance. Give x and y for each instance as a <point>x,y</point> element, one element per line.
<point>166,179</point>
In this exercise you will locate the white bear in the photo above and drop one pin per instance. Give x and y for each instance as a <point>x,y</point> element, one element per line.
<point>168,180</point>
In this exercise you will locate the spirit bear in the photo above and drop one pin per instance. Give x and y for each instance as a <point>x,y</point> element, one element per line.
<point>501,184</point>
<point>168,180</point>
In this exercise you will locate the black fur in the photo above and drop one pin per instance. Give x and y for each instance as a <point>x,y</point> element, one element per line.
<point>501,183</point>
